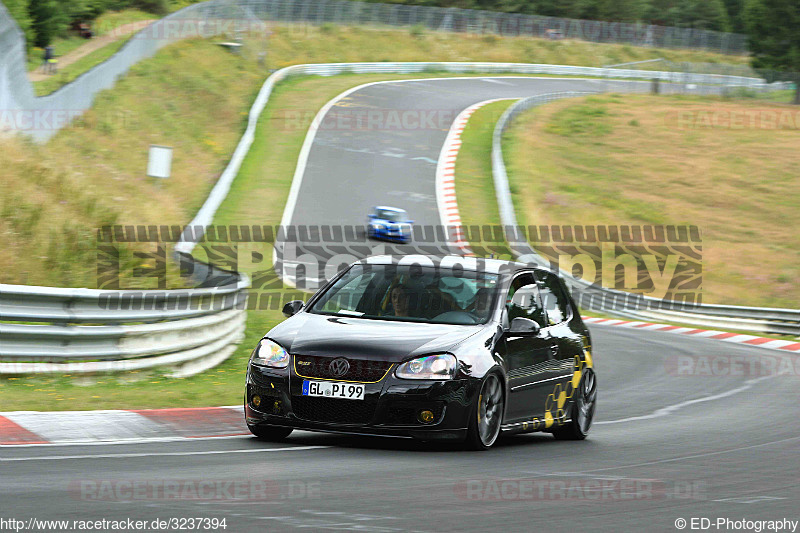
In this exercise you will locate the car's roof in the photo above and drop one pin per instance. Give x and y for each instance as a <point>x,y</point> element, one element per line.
<point>387,208</point>
<point>478,264</point>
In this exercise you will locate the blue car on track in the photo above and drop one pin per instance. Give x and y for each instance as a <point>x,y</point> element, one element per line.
<point>389,224</point>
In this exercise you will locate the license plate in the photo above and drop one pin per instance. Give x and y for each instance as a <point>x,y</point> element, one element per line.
<point>333,389</point>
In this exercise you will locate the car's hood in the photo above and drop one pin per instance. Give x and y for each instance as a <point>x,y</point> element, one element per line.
<point>310,334</point>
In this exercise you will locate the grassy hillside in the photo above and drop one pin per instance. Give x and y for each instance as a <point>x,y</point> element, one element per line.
<point>194,96</point>
<point>291,45</point>
<point>673,160</point>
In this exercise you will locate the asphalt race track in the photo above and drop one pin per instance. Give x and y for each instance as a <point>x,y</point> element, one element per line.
<point>664,446</point>
<point>360,158</point>
<point>723,457</point>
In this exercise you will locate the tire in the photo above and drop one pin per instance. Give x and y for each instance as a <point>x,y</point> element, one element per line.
<point>270,433</point>
<point>487,415</point>
<point>583,408</point>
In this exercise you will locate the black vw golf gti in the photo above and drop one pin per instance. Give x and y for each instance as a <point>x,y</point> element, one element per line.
<point>452,348</point>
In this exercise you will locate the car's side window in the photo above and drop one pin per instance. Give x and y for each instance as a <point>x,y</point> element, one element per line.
<point>555,301</point>
<point>523,300</point>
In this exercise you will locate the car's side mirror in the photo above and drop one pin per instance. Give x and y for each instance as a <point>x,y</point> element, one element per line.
<point>293,307</point>
<point>524,327</point>
<point>371,216</point>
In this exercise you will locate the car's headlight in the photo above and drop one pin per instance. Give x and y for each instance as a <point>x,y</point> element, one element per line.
<point>270,354</point>
<point>430,367</point>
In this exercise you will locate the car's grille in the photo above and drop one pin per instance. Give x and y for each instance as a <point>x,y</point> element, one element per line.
<point>334,410</point>
<point>310,366</point>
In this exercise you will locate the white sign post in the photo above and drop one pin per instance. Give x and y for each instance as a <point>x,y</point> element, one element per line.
<point>159,164</point>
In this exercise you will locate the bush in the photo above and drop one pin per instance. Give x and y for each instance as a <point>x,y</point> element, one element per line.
<point>158,7</point>
<point>417,30</point>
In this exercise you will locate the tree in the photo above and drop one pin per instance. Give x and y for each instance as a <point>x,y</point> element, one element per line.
<point>47,19</point>
<point>705,15</point>
<point>735,10</point>
<point>615,10</point>
<point>772,27</point>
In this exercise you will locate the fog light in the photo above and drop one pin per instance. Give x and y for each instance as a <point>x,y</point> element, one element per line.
<point>425,416</point>
<point>256,400</point>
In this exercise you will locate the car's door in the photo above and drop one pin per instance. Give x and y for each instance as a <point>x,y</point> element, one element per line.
<point>529,359</point>
<point>559,314</point>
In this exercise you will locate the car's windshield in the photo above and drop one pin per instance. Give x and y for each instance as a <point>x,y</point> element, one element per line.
<point>411,294</point>
<point>391,215</point>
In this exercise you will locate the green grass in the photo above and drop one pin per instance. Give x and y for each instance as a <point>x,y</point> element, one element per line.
<point>70,72</point>
<point>192,96</point>
<point>105,24</point>
<point>61,46</point>
<point>473,174</point>
<point>257,196</point>
<point>195,96</point>
<point>110,21</point>
<point>628,160</point>
<point>475,188</point>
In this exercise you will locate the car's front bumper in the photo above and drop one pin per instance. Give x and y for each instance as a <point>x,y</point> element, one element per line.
<point>389,235</point>
<point>390,407</point>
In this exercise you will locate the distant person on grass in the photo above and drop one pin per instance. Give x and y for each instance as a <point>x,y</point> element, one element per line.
<point>49,60</point>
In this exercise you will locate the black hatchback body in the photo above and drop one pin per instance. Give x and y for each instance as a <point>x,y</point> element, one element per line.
<point>452,348</point>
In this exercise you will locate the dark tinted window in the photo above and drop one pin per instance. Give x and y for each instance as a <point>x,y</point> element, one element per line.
<point>524,301</point>
<point>411,294</point>
<point>392,216</point>
<point>555,301</point>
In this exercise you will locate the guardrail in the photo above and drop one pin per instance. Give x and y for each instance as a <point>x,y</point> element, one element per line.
<point>42,117</point>
<point>80,331</point>
<point>188,334</point>
<point>697,83</point>
<point>596,298</point>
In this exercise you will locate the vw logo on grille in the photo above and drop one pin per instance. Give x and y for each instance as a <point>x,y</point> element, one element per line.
<point>339,367</point>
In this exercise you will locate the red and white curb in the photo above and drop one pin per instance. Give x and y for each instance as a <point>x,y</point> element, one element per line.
<point>120,426</point>
<point>445,177</point>
<point>32,428</point>
<point>739,338</point>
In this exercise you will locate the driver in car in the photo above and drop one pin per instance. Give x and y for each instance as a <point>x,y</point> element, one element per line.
<point>400,300</point>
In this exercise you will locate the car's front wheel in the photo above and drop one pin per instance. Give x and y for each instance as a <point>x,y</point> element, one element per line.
<point>487,415</point>
<point>270,433</point>
<point>582,410</point>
